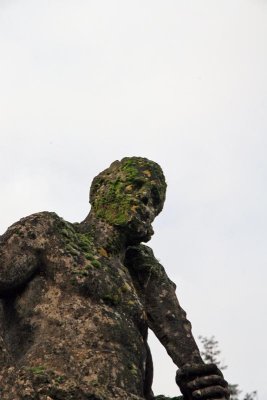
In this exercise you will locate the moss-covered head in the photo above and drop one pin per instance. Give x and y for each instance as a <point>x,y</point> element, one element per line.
<point>129,194</point>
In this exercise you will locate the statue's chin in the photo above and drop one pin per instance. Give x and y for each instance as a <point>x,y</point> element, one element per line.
<point>148,235</point>
<point>139,233</point>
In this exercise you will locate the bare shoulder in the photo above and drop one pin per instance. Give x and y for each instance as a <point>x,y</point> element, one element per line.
<point>141,260</point>
<point>30,234</point>
<point>34,225</point>
<point>140,257</point>
<point>22,245</point>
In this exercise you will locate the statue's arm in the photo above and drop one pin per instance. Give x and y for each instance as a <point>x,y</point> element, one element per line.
<point>21,247</point>
<point>166,317</point>
<point>168,321</point>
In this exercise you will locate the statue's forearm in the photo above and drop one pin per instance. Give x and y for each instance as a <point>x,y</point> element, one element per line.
<point>168,321</point>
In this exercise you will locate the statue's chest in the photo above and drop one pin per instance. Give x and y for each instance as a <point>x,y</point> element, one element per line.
<point>95,274</point>
<point>106,279</point>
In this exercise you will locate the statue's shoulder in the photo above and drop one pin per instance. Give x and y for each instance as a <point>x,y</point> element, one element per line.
<point>140,250</point>
<point>140,257</point>
<point>35,224</point>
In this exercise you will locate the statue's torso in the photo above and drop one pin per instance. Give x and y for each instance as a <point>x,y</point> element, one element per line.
<point>78,322</point>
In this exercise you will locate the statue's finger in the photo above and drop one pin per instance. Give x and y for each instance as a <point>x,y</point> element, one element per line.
<point>210,392</point>
<point>197,370</point>
<point>204,381</point>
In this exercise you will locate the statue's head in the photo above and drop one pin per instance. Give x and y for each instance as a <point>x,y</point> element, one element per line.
<point>129,195</point>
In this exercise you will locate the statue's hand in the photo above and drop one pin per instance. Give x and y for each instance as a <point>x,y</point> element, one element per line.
<point>202,381</point>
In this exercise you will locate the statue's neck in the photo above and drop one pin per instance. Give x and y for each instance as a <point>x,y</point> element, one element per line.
<point>106,236</point>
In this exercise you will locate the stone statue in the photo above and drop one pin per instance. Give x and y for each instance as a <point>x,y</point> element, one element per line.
<point>77,299</point>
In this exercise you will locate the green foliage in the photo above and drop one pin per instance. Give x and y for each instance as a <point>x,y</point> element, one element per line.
<point>211,354</point>
<point>251,396</point>
<point>210,351</point>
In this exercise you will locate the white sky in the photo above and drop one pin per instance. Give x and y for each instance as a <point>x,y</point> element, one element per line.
<point>182,82</point>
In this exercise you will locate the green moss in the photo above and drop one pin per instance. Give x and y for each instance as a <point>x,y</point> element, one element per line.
<point>37,370</point>
<point>126,288</point>
<point>113,299</point>
<point>131,170</point>
<point>96,263</point>
<point>130,303</point>
<point>74,238</point>
<point>133,369</point>
<point>72,250</point>
<point>114,206</point>
<point>84,246</point>
<point>89,256</point>
<point>84,241</point>
<point>66,232</point>
<point>80,272</point>
<point>60,379</point>
<point>114,191</point>
<point>75,241</point>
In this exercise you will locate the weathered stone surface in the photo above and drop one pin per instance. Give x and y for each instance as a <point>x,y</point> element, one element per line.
<point>76,300</point>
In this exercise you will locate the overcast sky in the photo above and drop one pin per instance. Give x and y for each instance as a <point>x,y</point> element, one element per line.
<point>182,82</point>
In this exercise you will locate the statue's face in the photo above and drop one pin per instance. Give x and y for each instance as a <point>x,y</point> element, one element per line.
<point>129,195</point>
<point>144,203</point>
